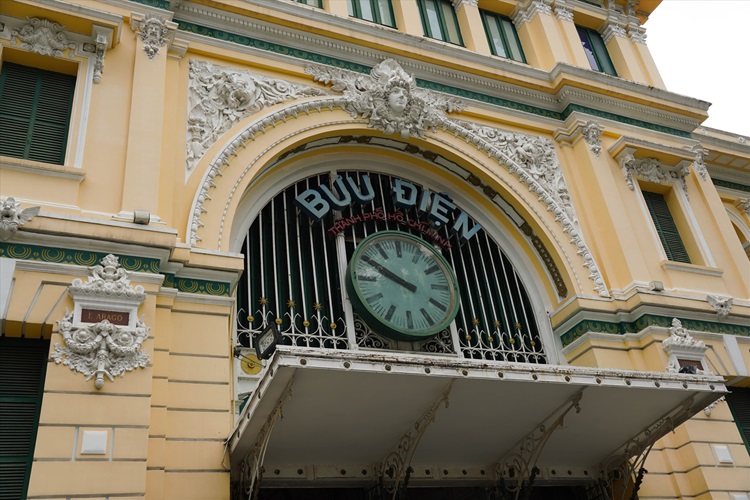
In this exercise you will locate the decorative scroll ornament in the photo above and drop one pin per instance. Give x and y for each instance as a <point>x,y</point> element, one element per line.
<point>709,409</point>
<point>534,162</point>
<point>219,97</point>
<point>637,34</point>
<point>12,217</point>
<point>698,164</point>
<point>389,97</point>
<point>459,3</point>
<point>630,7</point>
<point>563,13</point>
<point>721,305</point>
<point>743,204</point>
<point>43,36</point>
<point>613,29</point>
<point>680,344</point>
<point>153,32</point>
<point>100,50</point>
<point>103,348</point>
<point>651,170</point>
<point>592,134</point>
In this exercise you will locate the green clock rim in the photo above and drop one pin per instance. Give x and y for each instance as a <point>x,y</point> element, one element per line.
<point>365,311</point>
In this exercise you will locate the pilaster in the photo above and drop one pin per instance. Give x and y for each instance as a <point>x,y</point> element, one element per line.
<point>540,35</point>
<point>408,18</point>
<point>470,23</point>
<point>621,51</point>
<point>566,22</point>
<point>637,35</point>
<point>145,131</point>
<point>336,7</point>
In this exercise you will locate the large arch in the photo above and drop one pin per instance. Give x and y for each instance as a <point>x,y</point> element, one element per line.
<point>255,144</point>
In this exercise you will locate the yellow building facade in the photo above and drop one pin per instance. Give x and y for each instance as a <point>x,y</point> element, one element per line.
<point>365,249</point>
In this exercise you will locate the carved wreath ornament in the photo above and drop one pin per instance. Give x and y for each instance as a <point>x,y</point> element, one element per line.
<point>103,348</point>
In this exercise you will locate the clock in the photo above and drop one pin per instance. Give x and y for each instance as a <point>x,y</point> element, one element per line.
<point>401,286</point>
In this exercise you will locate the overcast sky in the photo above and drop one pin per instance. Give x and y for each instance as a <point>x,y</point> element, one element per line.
<point>702,49</point>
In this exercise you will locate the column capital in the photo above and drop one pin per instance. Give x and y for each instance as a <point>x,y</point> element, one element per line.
<point>155,32</point>
<point>530,9</point>
<point>612,28</point>
<point>460,3</point>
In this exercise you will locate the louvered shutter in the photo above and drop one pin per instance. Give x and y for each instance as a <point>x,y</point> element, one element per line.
<point>666,227</point>
<point>35,108</point>
<point>23,365</point>
<point>739,404</point>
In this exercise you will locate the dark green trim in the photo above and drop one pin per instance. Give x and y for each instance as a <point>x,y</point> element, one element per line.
<point>358,68</point>
<point>623,327</point>
<point>77,257</point>
<point>738,401</point>
<point>442,22</point>
<point>271,47</point>
<point>622,119</point>
<point>159,4</point>
<point>730,185</point>
<point>201,286</point>
<point>355,10</point>
<point>507,45</point>
<point>128,262</point>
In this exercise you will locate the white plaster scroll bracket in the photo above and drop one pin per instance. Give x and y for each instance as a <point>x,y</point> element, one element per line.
<point>652,169</point>
<point>722,305</point>
<point>590,131</point>
<point>103,335</point>
<point>517,469</point>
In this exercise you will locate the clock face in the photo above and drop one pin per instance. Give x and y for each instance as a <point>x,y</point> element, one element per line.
<point>401,286</point>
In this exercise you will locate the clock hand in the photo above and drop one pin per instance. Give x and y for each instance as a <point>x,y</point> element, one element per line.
<point>390,275</point>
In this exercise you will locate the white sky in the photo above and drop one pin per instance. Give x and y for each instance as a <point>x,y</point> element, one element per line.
<point>702,50</point>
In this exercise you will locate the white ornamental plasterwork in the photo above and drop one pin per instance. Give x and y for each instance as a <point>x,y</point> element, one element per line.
<point>389,98</point>
<point>721,305</point>
<point>637,34</point>
<point>563,12</point>
<point>699,164</point>
<point>681,345</point>
<point>613,29</point>
<point>630,7</point>
<point>99,49</point>
<point>592,134</point>
<point>390,101</point>
<point>43,36</point>
<point>153,32</point>
<point>534,162</point>
<point>219,97</point>
<point>457,4</point>
<point>743,204</point>
<point>103,349</point>
<point>651,170</point>
<point>535,7</point>
<point>12,217</point>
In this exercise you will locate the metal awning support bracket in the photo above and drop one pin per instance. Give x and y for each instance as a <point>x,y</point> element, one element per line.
<point>517,470</point>
<point>251,468</point>
<point>396,467</point>
<point>628,465</point>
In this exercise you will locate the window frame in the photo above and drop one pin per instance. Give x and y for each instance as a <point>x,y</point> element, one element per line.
<point>355,10</point>
<point>488,16</point>
<point>598,49</point>
<point>738,400</point>
<point>427,28</point>
<point>667,228</point>
<point>311,3</point>
<point>42,81</point>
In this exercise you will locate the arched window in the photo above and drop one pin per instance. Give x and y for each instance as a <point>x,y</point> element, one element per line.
<point>295,269</point>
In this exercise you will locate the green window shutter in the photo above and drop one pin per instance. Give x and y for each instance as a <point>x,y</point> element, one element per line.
<point>596,51</point>
<point>666,227</point>
<point>23,364</point>
<point>439,21</point>
<point>739,404</point>
<point>35,107</point>
<point>502,36</point>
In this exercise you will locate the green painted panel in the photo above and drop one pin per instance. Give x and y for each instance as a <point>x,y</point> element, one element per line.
<point>201,286</point>
<point>159,4</point>
<point>468,94</point>
<point>623,327</point>
<point>77,257</point>
<point>731,185</point>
